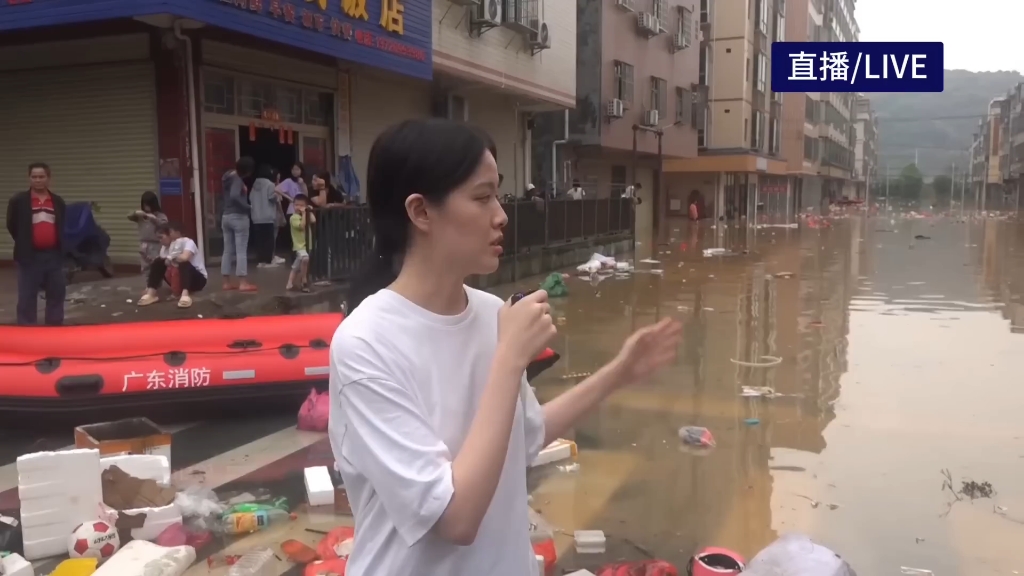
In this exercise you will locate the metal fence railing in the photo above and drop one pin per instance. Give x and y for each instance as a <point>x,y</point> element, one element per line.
<point>342,237</point>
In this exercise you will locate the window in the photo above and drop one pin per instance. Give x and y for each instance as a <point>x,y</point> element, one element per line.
<point>660,9</point>
<point>218,93</point>
<point>757,135</point>
<point>701,138</point>
<point>659,95</point>
<point>624,82</point>
<point>698,110</point>
<point>780,27</point>
<point>762,16</point>
<point>702,74</point>
<point>809,148</point>
<point>684,106</point>
<point>762,73</point>
<point>704,16</point>
<point>774,137</point>
<point>685,25</point>
<point>748,71</point>
<point>810,110</point>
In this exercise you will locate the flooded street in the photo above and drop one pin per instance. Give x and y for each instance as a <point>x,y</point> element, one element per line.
<point>898,362</point>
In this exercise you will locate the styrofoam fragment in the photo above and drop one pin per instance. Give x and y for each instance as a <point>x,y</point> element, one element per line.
<point>319,488</point>
<point>15,565</point>
<point>558,450</point>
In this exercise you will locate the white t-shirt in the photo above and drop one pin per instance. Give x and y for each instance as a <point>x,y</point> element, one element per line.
<point>405,384</point>
<point>577,193</point>
<point>630,192</point>
<point>179,247</point>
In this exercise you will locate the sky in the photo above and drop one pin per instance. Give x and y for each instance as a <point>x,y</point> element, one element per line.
<point>979,35</point>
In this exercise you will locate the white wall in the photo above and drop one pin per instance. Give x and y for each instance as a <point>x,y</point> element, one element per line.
<point>496,113</point>
<point>501,57</point>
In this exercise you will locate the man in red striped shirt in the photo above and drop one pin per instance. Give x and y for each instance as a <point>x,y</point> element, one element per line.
<point>35,219</point>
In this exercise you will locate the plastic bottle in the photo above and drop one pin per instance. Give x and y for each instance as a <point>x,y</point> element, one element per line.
<point>256,562</point>
<point>249,522</point>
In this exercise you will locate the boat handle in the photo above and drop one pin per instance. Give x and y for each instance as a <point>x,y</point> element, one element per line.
<point>245,344</point>
<point>79,385</point>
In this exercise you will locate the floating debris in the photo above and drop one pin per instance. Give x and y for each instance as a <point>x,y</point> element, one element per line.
<point>766,362</point>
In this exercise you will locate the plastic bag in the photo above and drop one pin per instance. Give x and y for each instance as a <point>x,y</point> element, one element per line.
<point>554,285</point>
<point>198,501</point>
<point>314,412</point>
<point>336,544</point>
<point>697,436</point>
<point>797,555</point>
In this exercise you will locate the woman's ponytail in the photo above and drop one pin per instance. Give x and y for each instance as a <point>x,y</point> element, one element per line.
<point>381,266</point>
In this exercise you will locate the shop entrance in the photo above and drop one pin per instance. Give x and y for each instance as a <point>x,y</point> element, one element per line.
<point>267,146</point>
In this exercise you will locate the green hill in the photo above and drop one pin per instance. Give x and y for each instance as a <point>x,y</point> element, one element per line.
<point>922,121</point>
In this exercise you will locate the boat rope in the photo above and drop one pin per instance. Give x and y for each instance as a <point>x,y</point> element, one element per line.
<point>767,362</point>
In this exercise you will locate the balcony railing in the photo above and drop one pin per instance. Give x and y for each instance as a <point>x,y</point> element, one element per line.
<point>342,237</point>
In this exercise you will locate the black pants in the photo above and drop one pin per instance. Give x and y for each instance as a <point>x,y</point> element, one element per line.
<point>191,279</point>
<point>44,272</point>
<point>264,236</point>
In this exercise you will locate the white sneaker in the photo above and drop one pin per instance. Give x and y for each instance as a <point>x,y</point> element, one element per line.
<point>263,265</point>
<point>277,260</point>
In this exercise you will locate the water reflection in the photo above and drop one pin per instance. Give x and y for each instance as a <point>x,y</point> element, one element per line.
<point>895,365</point>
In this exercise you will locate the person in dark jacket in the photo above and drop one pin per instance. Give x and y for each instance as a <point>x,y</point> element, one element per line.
<point>35,219</point>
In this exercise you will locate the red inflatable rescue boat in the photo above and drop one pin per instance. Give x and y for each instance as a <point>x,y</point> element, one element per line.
<point>72,368</point>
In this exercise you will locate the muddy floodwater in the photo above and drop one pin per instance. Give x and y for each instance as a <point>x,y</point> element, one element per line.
<point>899,360</point>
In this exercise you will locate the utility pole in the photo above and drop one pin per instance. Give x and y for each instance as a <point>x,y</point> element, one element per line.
<point>952,182</point>
<point>886,188</point>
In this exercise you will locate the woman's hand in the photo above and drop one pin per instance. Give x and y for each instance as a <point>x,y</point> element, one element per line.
<point>525,328</point>
<point>647,351</point>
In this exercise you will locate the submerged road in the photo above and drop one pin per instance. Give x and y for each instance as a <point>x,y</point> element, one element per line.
<point>900,358</point>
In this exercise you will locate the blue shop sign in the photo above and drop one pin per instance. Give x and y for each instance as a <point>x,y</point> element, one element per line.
<point>393,35</point>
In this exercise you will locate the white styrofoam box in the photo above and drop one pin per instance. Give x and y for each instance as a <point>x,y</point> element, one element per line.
<point>157,520</point>
<point>148,559</point>
<point>319,488</point>
<point>58,491</point>
<point>558,450</point>
<point>589,541</point>
<point>581,573</point>
<point>540,564</point>
<point>156,467</point>
<point>15,565</point>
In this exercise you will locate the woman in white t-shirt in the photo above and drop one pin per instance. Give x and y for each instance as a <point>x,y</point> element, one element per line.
<point>432,422</point>
<point>180,257</point>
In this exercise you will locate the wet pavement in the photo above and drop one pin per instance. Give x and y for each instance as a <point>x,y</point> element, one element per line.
<point>900,358</point>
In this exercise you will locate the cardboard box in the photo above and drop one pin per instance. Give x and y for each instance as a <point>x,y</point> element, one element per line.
<point>131,436</point>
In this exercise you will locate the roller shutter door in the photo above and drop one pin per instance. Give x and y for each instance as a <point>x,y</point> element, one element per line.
<point>95,125</point>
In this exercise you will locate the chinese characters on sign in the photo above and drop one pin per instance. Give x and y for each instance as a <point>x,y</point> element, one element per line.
<point>857,67</point>
<point>173,378</point>
<point>313,18</point>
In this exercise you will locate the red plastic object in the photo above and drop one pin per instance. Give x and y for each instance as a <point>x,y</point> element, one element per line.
<point>326,548</point>
<point>546,549</point>
<point>641,568</point>
<point>335,567</point>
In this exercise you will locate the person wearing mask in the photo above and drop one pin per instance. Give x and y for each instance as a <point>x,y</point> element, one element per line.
<point>35,220</point>
<point>148,217</point>
<point>576,192</point>
<point>265,204</point>
<point>324,192</point>
<point>180,264</point>
<point>235,226</point>
<point>432,422</point>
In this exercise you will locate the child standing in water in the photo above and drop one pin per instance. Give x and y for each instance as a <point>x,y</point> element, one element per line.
<point>298,222</point>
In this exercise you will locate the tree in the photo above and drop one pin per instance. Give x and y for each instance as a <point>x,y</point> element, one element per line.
<point>910,183</point>
<point>942,186</point>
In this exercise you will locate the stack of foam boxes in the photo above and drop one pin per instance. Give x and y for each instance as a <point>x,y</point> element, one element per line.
<point>58,491</point>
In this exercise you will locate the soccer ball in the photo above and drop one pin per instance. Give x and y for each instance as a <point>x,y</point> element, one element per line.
<point>95,539</point>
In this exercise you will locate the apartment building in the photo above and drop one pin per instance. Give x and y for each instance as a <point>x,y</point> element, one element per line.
<point>818,135</point>
<point>865,169</point>
<point>638,99</point>
<point>739,166</point>
<point>990,151</point>
<point>497,63</point>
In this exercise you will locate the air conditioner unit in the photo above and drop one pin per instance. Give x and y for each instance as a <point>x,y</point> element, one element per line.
<point>541,39</point>
<point>650,117</point>
<point>625,4</point>
<point>679,41</point>
<point>490,12</point>
<point>659,25</point>
<point>616,108</point>
<point>647,22</point>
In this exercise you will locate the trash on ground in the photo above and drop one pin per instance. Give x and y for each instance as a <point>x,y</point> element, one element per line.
<point>697,436</point>
<point>560,449</point>
<point>336,544</point>
<point>758,392</point>
<point>589,541</point>
<point>915,571</point>
<point>542,538</point>
<point>74,567</point>
<point>94,539</point>
<point>650,261</point>
<point>797,555</point>
<point>555,286</point>
<point>319,487</point>
<point>15,565</point>
<point>765,362</point>
<point>570,468</point>
<point>815,504</point>
<point>298,552</point>
<point>784,275</point>
<point>139,436</point>
<point>255,562</point>
<point>752,421</point>
<point>711,561</point>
